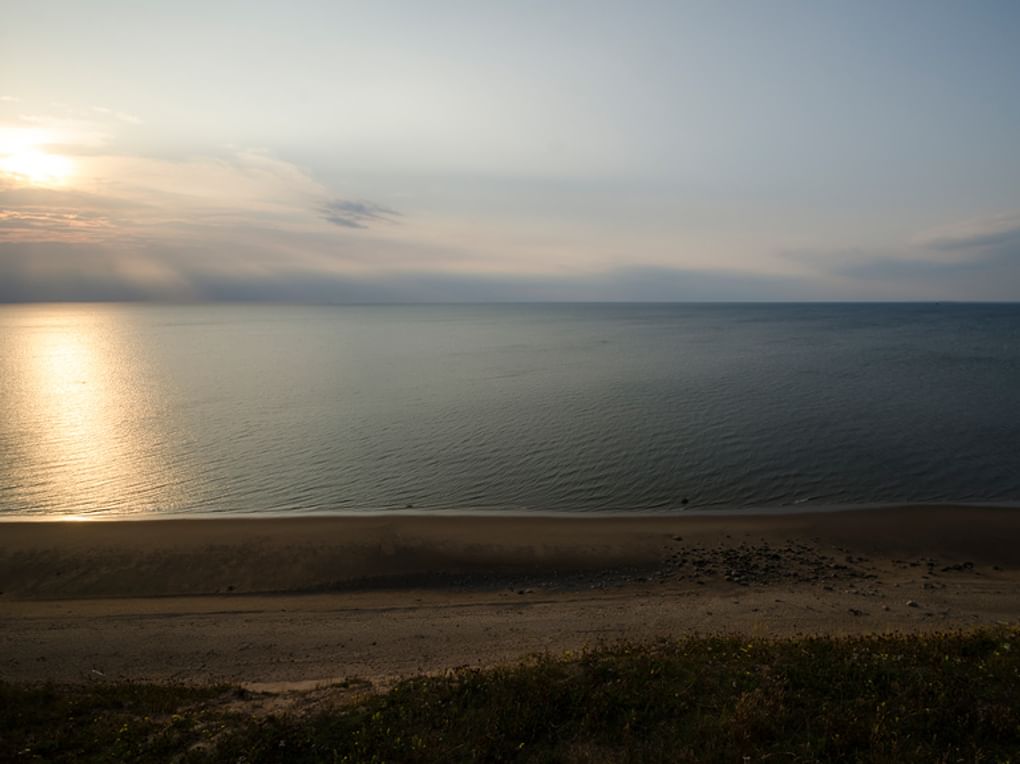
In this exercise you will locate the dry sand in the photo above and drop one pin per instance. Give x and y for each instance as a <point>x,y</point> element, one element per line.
<point>292,603</point>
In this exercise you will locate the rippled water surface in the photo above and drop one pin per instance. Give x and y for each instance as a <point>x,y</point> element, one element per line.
<point>143,409</point>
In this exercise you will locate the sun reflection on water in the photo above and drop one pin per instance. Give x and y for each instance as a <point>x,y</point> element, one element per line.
<point>76,394</point>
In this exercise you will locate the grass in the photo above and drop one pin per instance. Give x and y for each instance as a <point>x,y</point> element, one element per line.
<point>930,698</point>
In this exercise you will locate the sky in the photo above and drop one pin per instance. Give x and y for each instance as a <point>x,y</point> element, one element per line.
<point>401,151</point>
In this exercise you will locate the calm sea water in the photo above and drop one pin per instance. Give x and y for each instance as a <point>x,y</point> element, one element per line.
<point>135,410</point>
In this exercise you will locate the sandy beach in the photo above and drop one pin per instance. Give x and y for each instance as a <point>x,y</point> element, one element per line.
<point>292,603</point>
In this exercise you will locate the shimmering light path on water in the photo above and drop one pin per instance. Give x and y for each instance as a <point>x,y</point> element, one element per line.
<point>133,410</point>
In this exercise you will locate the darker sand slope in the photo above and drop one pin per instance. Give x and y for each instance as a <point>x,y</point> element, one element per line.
<point>214,556</point>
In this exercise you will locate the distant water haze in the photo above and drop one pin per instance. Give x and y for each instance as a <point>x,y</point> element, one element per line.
<point>132,410</point>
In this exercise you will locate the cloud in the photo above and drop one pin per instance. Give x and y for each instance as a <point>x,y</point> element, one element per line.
<point>179,200</point>
<point>973,259</point>
<point>54,224</point>
<point>975,236</point>
<point>188,228</point>
<point>241,224</point>
<point>60,271</point>
<point>954,247</point>
<point>53,272</point>
<point>348,213</point>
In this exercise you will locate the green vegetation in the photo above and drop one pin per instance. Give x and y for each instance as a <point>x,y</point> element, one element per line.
<point>944,697</point>
<point>98,722</point>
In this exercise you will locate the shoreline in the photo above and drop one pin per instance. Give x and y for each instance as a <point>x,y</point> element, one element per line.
<point>291,602</point>
<point>672,512</point>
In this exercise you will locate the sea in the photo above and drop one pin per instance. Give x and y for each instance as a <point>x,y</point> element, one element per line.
<point>140,411</point>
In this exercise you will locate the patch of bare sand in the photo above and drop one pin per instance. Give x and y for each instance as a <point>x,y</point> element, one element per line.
<point>324,609</point>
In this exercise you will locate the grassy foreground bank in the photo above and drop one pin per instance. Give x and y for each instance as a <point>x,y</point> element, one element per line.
<point>941,697</point>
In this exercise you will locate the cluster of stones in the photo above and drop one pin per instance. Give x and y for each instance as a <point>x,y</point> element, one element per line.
<point>932,566</point>
<point>762,563</point>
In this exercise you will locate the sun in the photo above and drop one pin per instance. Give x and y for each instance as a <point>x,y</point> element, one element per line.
<point>37,167</point>
<point>24,159</point>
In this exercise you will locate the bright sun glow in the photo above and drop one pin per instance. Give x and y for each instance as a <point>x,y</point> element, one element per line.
<point>37,167</point>
<point>24,158</point>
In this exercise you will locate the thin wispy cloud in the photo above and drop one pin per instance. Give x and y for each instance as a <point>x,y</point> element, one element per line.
<point>131,119</point>
<point>979,258</point>
<point>348,213</point>
<point>975,236</point>
<point>68,224</point>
